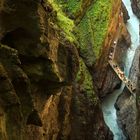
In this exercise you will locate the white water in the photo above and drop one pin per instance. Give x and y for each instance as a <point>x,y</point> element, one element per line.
<point>108,108</point>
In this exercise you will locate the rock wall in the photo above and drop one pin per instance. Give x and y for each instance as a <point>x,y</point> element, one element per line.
<point>126,104</point>
<point>53,66</point>
<point>85,107</point>
<point>136,10</point>
<point>46,89</point>
<point>138,103</point>
<point>136,7</point>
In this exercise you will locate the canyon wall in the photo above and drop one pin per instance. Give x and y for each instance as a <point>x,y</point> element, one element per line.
<point>96,33</point>
<point>47,91</point>
<point>138,103</point>
<point>126,104</point>
<point>54,65</point>
<point>136,10</point>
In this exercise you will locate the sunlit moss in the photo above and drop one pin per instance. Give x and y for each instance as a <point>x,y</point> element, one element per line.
<point>63,21</point>
<point>93,27</point>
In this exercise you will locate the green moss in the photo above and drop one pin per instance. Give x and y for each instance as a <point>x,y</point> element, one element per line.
<point>71,6</point>
<point>63,21</point>
<point>84,79</point>
<point>92,29</point>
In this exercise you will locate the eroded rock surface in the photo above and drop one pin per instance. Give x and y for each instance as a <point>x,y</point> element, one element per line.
<point>41,97</point>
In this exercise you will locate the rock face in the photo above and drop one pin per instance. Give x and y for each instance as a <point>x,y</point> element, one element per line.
<point>46,90</point>
<point>125,13</point>
<point>136,7</point>
<point>138,103</point>
<point>126,104</point>
<point>96,38</point>
<point>82,118</point>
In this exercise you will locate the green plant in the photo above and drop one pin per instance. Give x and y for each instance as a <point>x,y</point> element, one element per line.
<point>93,27</point>
<point>64,23</point>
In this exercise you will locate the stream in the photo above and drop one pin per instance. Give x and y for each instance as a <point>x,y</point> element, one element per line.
<point>108,108</point>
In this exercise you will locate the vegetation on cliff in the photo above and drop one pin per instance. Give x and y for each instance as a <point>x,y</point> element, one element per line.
<point>90,31</point>
<point>92,27</point>
<point>64,23</point>
<point>84,79</point>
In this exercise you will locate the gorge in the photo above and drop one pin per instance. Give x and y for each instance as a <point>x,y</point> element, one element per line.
<point>56,82</point>
<point>108,104</point>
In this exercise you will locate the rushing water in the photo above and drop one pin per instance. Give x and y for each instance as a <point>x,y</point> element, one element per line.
<point>108,108</point>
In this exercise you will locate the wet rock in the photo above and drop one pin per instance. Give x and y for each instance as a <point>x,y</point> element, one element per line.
<point>136,7</point>
<point>126,104</point>
<point>125,13</point>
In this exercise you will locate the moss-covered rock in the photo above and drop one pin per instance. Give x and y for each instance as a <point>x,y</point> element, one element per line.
<point>85,105</point>
<point>93,20</point>
<point>64,23</point>
<point>92,30</point>
<point>84,80</point>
